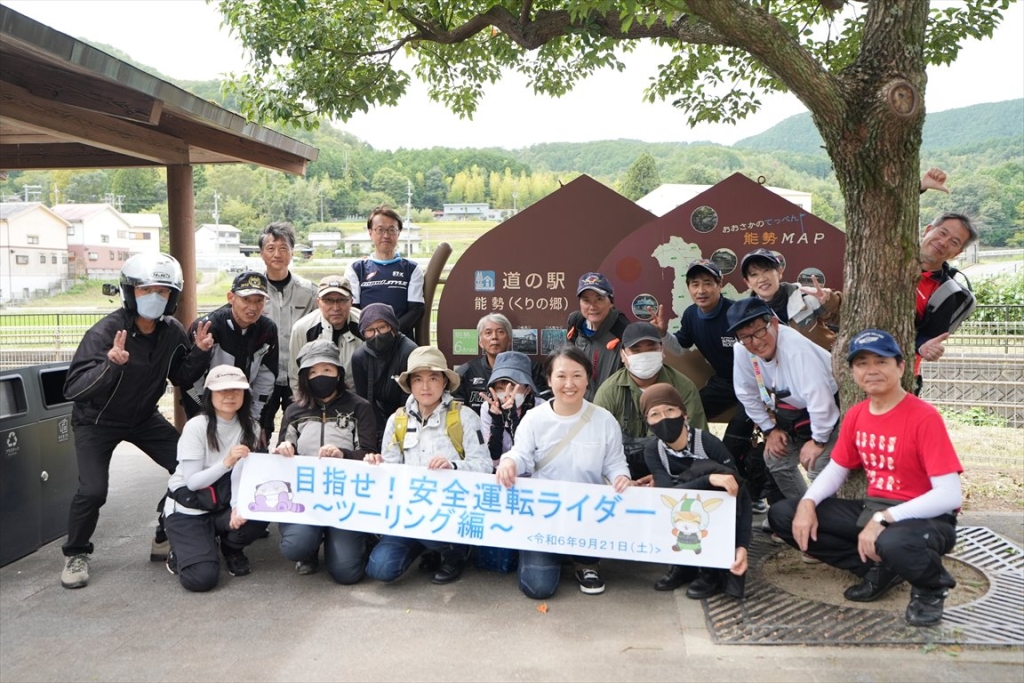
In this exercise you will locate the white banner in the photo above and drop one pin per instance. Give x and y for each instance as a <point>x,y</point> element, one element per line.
<point>671,526</point>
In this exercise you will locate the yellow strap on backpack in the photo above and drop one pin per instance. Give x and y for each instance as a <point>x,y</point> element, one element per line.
<point>452,427</point>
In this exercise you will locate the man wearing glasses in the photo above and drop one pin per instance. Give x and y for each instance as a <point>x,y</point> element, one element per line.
<point>384,277</point>
<point>291,297</point>
<point>335,320</point>
<point>784,382</point>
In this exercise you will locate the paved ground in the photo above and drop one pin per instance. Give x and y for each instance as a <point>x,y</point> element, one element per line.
<point>135,623</point>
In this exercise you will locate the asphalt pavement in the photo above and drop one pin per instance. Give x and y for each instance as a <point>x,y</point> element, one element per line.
<point>134,622</point>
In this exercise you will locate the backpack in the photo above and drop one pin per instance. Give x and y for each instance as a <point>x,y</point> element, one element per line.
<point>452,427</point>
<point>953,288</point>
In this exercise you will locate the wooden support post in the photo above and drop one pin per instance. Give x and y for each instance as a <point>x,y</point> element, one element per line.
<point>181,220</point>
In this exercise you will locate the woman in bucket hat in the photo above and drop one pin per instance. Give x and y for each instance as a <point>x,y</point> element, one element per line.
<point>329,421</point>
<point>511,393</point>
<point>201,494</point>
<point>433,431</point>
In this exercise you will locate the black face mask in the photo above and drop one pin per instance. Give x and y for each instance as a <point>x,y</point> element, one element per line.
<point>382,343</point>
<point>669,429</point>
<point>323,386</point>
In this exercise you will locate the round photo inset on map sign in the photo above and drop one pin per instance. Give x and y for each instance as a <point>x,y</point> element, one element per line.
<point>704,219</point>
<point>808,275</point>
<point>726,260</point>
<point>645,306</point>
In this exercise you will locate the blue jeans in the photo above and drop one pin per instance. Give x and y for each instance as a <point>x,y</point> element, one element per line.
<point>395,554</point>
<point>343,549</point>
<point>539,572</point>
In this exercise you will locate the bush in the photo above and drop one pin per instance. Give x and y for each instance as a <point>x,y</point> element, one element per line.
<point>972,417</point>
<point>1000,291</point>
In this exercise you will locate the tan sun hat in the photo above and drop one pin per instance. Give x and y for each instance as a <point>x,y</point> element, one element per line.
<point>428,358</point>
<point>225,377</point>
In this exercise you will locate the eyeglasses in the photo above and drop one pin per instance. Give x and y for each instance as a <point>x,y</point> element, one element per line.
<point>371,332</point>
<point>336,300</point>
<point>392,232</point>
<point>757,334</point>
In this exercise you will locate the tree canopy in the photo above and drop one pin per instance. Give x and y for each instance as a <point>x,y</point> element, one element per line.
<point>858,67</point>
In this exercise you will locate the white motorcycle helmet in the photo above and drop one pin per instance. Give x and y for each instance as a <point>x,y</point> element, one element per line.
<point>151,269</point>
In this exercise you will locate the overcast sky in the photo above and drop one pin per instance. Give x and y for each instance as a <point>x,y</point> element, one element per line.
<point>183,39</point>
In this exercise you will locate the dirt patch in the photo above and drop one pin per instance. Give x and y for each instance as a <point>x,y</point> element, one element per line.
<point>822,583</point>
<point>993,489</point>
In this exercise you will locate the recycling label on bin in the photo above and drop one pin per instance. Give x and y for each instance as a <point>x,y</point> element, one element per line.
<point>11,447</point>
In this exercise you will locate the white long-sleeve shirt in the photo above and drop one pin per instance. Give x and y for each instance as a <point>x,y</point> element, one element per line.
<point>800,367</point>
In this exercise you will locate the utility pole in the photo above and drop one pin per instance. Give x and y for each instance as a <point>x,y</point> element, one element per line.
<point>321,205</point>
<point>216,208</point>
<point>408,201</point>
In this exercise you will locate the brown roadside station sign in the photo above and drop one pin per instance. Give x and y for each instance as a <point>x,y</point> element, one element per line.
<point>527,267</point>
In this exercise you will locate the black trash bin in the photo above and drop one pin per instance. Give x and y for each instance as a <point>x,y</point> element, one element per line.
<point>38,469</point>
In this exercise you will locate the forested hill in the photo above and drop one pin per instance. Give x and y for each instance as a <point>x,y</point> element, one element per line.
<point>944,130</point>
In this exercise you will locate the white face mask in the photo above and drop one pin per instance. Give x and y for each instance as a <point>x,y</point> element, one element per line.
<point>520,399</point>
<point>151,306</point>
<point>502,395</point>
<point>645,365</point>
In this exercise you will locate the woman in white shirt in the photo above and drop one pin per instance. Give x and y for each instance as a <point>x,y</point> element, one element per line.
<point>200,507</point>
<point>568,438</point>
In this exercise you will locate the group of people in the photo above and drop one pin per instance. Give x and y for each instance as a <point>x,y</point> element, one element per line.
<point>605,408</point>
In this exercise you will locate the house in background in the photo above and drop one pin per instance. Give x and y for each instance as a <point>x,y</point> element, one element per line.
<point>145,232</point>
<point>218,247</point>
<point>466,211</point>
<point>324,240</point>
<point>98,242</point>
<point>33,252</point>
<point>670,195</point>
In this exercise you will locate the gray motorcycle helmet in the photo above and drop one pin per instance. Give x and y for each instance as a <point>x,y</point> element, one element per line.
<point>151,269</point>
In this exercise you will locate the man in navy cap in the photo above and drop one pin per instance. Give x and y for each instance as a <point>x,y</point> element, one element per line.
<point>596,328</point>
<point>907,522</point>
<point>785,384</point>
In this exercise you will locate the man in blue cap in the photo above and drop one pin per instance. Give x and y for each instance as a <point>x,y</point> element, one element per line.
<point>784,382</point>
<point>907,522</point>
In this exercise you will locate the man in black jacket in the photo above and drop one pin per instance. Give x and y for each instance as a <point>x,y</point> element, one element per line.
<point>119,372</point>
<point>242,337</point>
<point>377,363</point>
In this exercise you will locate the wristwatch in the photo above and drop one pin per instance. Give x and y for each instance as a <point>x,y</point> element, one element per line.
<point>879,518</point>
<point>819,444</point>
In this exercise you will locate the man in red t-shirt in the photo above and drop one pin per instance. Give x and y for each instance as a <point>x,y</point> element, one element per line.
<point>907,522</point>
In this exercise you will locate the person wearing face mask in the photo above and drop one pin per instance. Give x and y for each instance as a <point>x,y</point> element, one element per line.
<point>119,372</point>
<point>382,358</point>
<point>643,361</point>
<point>329,421</point>
<point>684,456</point>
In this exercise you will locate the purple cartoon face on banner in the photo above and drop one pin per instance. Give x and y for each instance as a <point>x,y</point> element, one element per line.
<point>275,496</point>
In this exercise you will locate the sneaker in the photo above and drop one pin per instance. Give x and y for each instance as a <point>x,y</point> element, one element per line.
<point>158,550</point>
<point>237,563</point>
<point>776,539</point>
<point>306,567</point>
<point>807,559</point>
<point>765,526</point>
<point>171,563</point>
<point>759,506</point>
<point>926,604</point>
<point>76,572</point>
<point>590,581</point>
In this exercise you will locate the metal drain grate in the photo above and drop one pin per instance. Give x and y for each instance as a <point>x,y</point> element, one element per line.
<point>771,616</point>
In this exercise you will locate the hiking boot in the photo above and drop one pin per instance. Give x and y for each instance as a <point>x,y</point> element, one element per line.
<point>590,581</point>
<point>925,608</point>
<point>705,585</point>
<point>306,567</point>
<point>171,562</point>
<point>158,550</point>
<point>76,572</point>
<point>675,577</point>
<point>877,582</point>
<point>237,563</point>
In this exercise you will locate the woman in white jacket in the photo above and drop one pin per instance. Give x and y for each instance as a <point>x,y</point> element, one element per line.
<point>420,434</point>
<point>569,439</point>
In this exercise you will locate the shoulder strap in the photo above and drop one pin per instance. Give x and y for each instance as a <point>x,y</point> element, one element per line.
<point>570,435</point>
<point>453,427</point>
<point>401,427</point>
